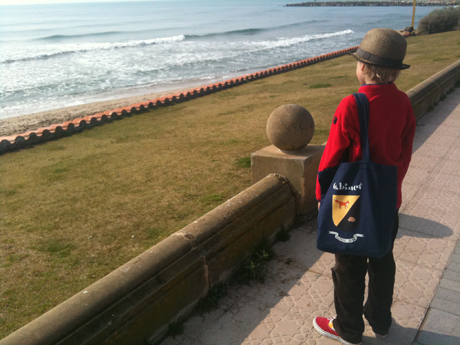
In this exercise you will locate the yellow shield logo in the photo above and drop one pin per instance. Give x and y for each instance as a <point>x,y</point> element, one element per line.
<point>341,207</point>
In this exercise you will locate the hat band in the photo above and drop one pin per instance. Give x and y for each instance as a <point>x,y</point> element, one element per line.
<point>378,60</point>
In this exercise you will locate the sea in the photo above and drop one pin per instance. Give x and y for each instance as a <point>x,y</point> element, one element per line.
<point>60,55</point>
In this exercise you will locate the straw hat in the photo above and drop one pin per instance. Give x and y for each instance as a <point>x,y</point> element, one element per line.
<point>382,47</point>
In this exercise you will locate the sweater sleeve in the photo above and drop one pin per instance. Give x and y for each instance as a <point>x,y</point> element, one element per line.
<point>407,140</point>
<point>339,137</point>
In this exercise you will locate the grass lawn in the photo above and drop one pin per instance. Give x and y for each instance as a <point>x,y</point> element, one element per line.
<point>75,209</point>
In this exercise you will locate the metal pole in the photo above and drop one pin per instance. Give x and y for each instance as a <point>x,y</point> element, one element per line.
<point>413,14</point>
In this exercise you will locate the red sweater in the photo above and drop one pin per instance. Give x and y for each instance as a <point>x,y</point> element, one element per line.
<point>391,131</point>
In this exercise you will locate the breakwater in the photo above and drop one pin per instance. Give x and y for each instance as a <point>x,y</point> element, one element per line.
<point>375,3</point>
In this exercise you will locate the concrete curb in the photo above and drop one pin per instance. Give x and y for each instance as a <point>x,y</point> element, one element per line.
<point>428,93</point>
<point>135,303</point>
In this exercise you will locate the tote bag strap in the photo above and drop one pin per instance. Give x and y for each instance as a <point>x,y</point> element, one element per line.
<point>363,111</point>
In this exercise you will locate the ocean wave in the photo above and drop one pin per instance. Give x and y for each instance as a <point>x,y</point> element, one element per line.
<point>206,47</point>
<point>207,55</point>
<point>86,47</point>
<point>63,37</point>
<point>252,31</point>
<point>287,42</point>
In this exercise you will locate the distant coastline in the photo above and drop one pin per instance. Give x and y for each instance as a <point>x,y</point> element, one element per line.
<point>374,3</point>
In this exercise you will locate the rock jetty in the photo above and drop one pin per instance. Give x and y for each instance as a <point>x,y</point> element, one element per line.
<point>376,3</point>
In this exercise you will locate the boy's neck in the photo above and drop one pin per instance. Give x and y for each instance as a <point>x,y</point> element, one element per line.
<point>373,82</point>
<point>368,81</point>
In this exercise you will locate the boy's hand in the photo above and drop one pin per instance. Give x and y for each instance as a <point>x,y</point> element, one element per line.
<point>319,205</point>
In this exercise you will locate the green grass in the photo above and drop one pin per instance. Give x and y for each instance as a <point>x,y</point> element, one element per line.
<point>244,162</point>
<point>320,86</point>
<point>73,210</point>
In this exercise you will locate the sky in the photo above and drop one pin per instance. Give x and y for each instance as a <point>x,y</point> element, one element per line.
<point>30,2</point>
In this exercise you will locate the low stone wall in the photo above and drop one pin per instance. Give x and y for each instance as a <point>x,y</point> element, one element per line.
<point>428,93</point>
<point>135,303</point>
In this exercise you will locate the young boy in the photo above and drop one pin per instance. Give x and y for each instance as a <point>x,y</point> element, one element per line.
<point>391,132</point>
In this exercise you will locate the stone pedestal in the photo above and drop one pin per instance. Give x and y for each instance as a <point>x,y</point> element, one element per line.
<point>299,167</point>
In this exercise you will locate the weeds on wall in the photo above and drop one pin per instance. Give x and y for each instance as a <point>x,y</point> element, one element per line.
<point>443,97</point>
<point>211,300</point>
<point>254,267</point>
<point>283,235</point>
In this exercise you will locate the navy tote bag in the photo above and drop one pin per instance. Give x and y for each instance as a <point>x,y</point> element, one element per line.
<point>358,201</point>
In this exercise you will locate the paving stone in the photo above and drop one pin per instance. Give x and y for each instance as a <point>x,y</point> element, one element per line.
<point>443,180</point>
<point>452,275</point>
<point>452,165</point>
<point>430,252</point>
<point>417,176</point>
<point>442,114</point>
<point>443,142</point>
<point>290,330</point>
<point>453,266</point>
<point>450,285</point>
<point>455,258</point>
<point>258,335</point>
<point>300,251</point>
<point>436,220</point>
<point>457,249</point>
<point>440,328</point>
<point>406,322</point>
<point>447,300</point>
<point>415,284</point>
<point>180,340</point>
<point>426,163</point>
<point>324,264</point>
<point>409,190</point>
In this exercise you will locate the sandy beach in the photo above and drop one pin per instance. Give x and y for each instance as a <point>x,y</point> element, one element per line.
<point>24,123</point>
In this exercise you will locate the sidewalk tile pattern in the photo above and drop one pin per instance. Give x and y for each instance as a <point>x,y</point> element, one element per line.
<point>426,308</point>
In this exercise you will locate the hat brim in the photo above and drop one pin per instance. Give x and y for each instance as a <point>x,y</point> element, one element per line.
<point>361,59</point>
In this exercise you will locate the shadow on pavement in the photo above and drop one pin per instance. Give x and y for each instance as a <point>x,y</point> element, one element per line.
<point>422,227</point>
<point>430,121</point>
<point>400,335</point>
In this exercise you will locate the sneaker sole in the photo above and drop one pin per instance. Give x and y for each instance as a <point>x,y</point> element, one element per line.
<point>329,335</point>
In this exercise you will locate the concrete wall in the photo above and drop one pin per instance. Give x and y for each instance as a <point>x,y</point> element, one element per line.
<point>428,93</point>
<point>136,302</point>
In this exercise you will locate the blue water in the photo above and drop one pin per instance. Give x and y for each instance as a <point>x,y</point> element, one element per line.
<point>59,55</point>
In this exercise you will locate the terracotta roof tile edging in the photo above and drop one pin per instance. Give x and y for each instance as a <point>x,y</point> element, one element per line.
<point>67,128</point>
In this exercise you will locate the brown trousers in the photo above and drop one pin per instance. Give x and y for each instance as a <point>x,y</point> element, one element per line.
<point>349,275</point>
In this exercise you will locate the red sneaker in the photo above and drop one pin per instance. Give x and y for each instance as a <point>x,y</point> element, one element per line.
<point>324,327</point>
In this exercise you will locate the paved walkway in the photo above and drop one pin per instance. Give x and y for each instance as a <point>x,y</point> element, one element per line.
<point>426,307</point>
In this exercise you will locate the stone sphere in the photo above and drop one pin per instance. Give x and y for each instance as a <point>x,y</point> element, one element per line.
<point>290,127</point>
